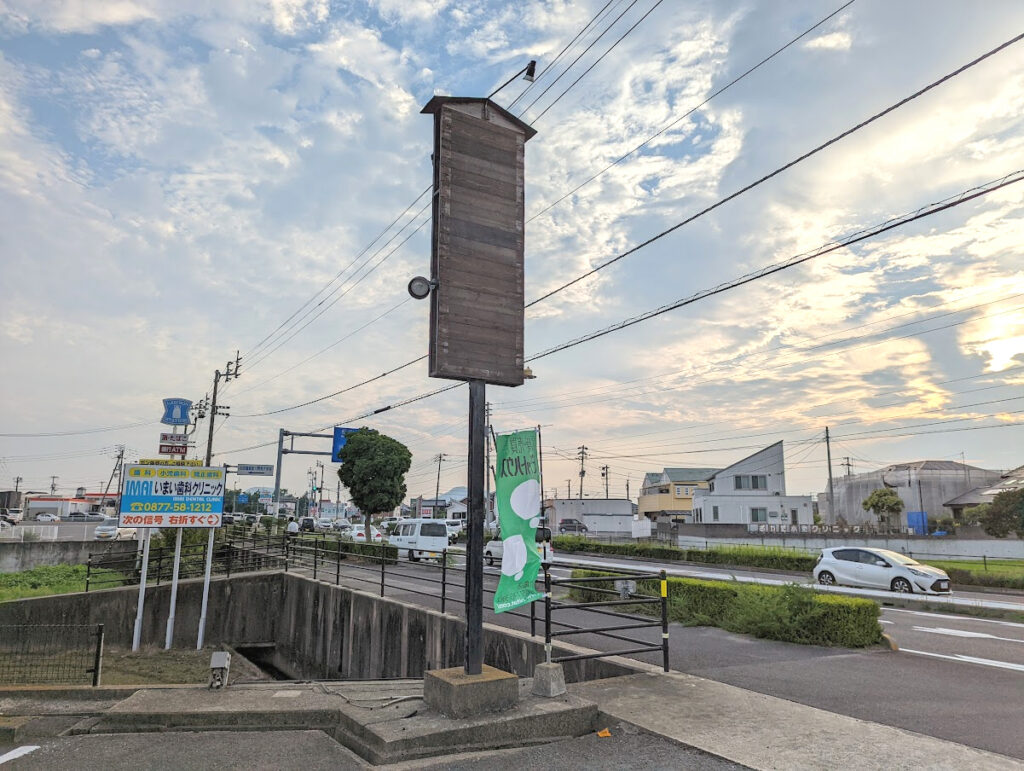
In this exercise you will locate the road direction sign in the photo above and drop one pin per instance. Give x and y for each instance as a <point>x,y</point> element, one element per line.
<point>340,439</point>
<point>162,496</point>
<point>253,469</point>
<point>243,498</point>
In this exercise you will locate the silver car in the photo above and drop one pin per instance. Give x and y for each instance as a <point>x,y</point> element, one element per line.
<point>109,531</point>
<point>878,569</point>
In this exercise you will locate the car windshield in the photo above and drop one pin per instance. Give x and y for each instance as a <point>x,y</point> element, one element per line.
<point>109,522</point>
<point>899,559</point>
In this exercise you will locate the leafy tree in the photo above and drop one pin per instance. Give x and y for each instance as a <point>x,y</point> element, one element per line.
<point>883,503</point>
<point>373,468</point>
<point>1005,513</point>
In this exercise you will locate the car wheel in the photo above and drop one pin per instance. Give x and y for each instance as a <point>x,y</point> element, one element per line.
<point>490,559</point>
<point>413,557</point>
<point>561,531</point>
<point>902,585</point>
<point>826,578</point>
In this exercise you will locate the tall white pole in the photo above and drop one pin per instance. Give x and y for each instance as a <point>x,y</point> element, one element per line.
<point>174,590</point>
<point>206,591</point>
<point>137,635</point>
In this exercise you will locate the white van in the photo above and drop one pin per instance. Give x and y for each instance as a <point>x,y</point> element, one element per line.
<point>421,538</point>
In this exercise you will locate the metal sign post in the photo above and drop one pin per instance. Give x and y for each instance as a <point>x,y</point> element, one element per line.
<point>137,634</point>
<point>174,591</point>
<point>206,591</point>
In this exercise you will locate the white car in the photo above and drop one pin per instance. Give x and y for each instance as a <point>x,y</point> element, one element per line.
<point>878,569</point>
<point>47,517</point>
<point>324,524</point>
<point>495,550</point>
<point>421,538</point>
<point>455,526</point>
<point>358,533</point>
<point>109,531</point>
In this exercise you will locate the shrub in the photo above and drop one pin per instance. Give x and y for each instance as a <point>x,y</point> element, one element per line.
<point>737,556</point>
<point>789,613</point>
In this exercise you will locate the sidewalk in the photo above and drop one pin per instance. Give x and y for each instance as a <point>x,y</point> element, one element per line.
<point>764,732</point>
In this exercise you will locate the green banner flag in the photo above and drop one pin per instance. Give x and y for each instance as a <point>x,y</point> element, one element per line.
<point>517,494</point>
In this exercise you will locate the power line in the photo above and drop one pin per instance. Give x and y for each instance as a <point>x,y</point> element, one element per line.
<point>779,170</point>
<point>799,259</point>
<point>124,427</point>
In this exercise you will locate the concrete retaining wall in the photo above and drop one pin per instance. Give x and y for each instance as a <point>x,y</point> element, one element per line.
<point>318,630</point>
<point>15,557</point>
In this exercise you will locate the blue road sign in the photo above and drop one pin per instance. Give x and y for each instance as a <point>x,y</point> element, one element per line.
<point>176,412</point>
<point>243,498</point>
<point>340,438</point>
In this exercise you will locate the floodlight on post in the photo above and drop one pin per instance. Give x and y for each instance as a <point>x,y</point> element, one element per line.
<point>528,72</point>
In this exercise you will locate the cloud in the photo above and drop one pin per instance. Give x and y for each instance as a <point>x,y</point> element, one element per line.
<point>833,41</point>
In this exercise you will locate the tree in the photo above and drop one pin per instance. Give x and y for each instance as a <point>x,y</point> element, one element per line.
<point>1005,513</point>
<point>373,468</point>
<point>883,503</point>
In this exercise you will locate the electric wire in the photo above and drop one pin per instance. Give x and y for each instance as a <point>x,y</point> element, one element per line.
<point>780,169</point>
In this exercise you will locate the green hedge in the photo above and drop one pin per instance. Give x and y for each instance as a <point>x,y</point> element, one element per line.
<point>741,556</point>
<point>788,613</point>
<point>978,578</point>
<point>358,549</point>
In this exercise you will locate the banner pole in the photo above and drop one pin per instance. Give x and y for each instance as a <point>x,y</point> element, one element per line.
<point>137,634</point>
<point>174,590</point>
<point>206,590</point>
<point>475,530</point>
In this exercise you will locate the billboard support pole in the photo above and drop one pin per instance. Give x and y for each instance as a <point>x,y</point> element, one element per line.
<point>277,473</point>
<point>475,530</point>
<point>137,634</point>
<point>174,591</point>
<point>206,590</point>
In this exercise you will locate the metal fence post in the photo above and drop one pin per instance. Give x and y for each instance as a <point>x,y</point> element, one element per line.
<point>337,563</point>
<point>533,619</point>
<point>97,663</point>
<point>88,572</point>
<point>382,570</point>
<point>231,553</point>
<point>664,620</point>
<point>547,614</point>
<point>159,564</point>
<point>444,576</point>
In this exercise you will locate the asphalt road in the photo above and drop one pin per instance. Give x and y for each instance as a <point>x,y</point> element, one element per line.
<point>955,677</point>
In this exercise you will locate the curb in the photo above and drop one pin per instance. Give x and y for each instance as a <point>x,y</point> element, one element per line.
<point>891,642</point>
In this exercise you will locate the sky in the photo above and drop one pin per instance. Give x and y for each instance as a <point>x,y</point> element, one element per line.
<point>181,180</point>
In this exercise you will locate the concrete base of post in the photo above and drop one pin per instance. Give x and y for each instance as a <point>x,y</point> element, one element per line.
<point>453,693</point>
<point>548,680</point>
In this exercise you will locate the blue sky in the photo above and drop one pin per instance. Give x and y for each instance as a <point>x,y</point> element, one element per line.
<point>177,178</point>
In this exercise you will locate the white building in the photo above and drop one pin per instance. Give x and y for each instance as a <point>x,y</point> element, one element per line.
<point>600,515</point>
<point>752,492</point>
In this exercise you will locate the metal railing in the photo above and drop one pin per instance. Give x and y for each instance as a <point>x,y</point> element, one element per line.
<point>626,584</point>
<point>51,654</point>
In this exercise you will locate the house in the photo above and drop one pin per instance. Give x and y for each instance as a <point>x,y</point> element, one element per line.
<point>923,486</point>
<point>752,492</point>
<point>670,492</point>
<point>985,493</point>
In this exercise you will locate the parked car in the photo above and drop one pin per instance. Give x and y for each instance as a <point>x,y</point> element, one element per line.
<point>358,533</point>
<point>324,524</point>
<point>421,538</point>
<point>227,518</point>
<point>14,516</point>
<point>307,525</point>
<point>251,519</point>
<point>455,526</point>
<point>75,516</point>
<point>572,526</point>
<point>387,522</point>
<point>108,530</point>
<point>878,569</point>
<point>95,516</point>
<point>495,550</point>
<point>341,525</point>
<point>46,516</point>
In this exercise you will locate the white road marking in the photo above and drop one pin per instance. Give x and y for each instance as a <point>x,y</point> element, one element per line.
<point>963,633</point>
<point>952,618</point>
<point>18,752</point>
<point>968,659</point>
<point>883,621</point>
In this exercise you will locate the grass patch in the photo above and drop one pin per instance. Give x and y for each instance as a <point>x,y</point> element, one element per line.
<point>53,579</point>
<point>789,613</point>
<point>1006,574</point>
<point>740,556</point>
<point>157,666</point>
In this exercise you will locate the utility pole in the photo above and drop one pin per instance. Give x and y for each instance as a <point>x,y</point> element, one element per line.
<point>17,481</point>
<point>231,371</point>
<point>53,485</point>
<point>583,472</point>
<point>568,488</point>
<point>604,476</point>
<point>846,462</point>
<point>627,488</point>
<point>831,488</point>
<point>320,504</point>
<point>437,487</point>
